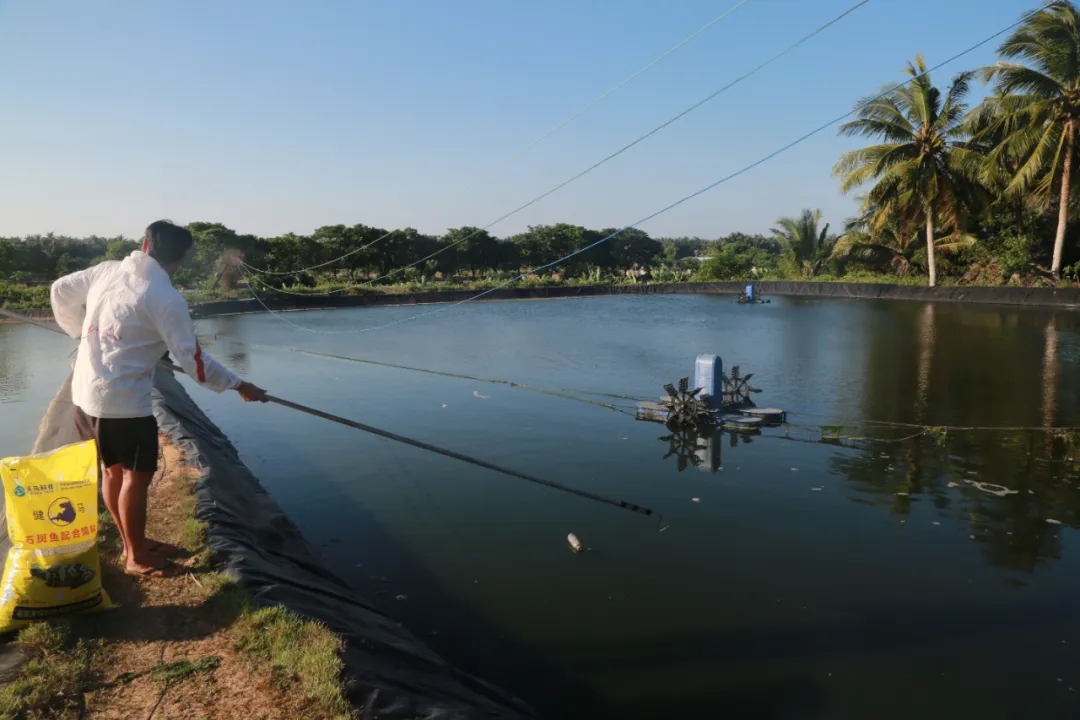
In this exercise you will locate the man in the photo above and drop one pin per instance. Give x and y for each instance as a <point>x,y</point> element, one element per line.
<point>127,314</point>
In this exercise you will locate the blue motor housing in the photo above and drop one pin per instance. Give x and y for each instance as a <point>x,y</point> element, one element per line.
<point>709,376</point>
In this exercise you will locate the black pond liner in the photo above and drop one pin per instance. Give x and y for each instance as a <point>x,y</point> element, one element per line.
<point>389,673</point>
<point>1032,297</point>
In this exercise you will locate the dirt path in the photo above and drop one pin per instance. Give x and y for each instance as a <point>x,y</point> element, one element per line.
<point>186,647</point>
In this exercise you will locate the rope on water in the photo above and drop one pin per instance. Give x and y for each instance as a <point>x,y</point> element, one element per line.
<point>566,393</point>
<point>933,429</point>
<point>623,504</point>
<point>829,431</point>
<point>460,376</point>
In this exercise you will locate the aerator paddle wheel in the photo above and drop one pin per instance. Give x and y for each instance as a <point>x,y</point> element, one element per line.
<point>737,389</point>
<point>687,408</point>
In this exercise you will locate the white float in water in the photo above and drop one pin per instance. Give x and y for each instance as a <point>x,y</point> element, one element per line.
<point>574,543</point>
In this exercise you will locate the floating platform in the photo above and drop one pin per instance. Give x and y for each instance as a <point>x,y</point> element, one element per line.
<point>740,422</point>
<point>744,420</point>
<point>769,416</point>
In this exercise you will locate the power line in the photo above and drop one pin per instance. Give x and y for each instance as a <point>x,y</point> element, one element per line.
<point>586,108</point>
<point>684,199</point>
<point>595,165</point>
<point>547,134</point>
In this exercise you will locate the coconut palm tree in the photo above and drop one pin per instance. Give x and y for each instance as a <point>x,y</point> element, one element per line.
<point>1001,163</point>
<point>1038,104</point>
<point>924,173</point>
<point>880,238</point>
<point>806,246</point>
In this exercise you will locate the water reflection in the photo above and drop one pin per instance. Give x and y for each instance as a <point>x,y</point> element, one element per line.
<point>926,358</point>
<point>692,448</point>
<point>1051,369</point>
<point>701,449</point>
<point>13,373</point>
<point>688,447</point>
<point>1010,490</point>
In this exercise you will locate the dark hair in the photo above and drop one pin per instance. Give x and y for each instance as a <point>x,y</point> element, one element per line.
<point>167,242</point>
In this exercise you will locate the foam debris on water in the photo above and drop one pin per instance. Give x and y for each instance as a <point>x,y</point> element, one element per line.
<point>992,488</point>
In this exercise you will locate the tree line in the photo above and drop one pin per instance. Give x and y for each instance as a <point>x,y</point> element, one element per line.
<point>978,194</point>
<point>357,253</point>
<point>945,179</point>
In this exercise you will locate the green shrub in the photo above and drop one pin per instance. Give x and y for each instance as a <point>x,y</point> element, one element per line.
<point>23,297</point>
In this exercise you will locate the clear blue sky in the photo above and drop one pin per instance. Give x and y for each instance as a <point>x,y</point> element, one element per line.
<point>279,115</point>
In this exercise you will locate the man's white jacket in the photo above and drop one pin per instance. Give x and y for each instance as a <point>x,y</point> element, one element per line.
<point>127,314</point>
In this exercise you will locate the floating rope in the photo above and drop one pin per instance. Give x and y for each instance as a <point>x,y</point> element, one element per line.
<point>925,428</point>
<point>566,393</point>
<point>830,431</point>
<point>623,504</point>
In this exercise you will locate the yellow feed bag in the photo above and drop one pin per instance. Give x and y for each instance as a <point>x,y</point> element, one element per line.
<point>52,514</point>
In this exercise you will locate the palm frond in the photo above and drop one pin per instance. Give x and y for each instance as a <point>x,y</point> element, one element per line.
<point>1039,163</point>
<point>1014,79</point>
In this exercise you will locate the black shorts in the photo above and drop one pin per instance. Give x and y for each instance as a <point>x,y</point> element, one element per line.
<point>131,443</point>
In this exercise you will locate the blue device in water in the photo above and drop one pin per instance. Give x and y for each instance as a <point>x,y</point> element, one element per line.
<point>709,376</point>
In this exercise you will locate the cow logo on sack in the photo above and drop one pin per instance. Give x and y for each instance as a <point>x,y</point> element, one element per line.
<point>61,512</point>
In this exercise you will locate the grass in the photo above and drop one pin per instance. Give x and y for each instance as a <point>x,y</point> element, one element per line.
<point>51,681</point>
<point>299,655</point>
<point>303,655</point>
<point>171,671</point>
<point>264,660</point>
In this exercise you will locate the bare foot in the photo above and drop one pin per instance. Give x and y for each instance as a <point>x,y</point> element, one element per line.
<point>157,569</point>
<point>161,549</point>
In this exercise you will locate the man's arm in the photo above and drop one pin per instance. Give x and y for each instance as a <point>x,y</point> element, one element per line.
<point>173,322</point>
<point>68,299</point>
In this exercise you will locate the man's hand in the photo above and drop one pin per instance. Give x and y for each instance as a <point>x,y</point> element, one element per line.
<point>251,393</point>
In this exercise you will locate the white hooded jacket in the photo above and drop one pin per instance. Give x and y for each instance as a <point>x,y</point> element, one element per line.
<point>127,314</point>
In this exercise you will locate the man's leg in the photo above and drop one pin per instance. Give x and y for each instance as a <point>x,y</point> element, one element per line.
<point>110,470</point>
<point>132,445</point>
<point>112,479</point>
<point>133,495</point>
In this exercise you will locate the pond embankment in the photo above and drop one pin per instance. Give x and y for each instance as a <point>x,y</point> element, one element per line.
<point>255,625</point>
<point>1046,297</point>
<point>1031,297</point>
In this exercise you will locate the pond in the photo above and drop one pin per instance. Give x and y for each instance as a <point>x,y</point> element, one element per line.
<point>885,568</point>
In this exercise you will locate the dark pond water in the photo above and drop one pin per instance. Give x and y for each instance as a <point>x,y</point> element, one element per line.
<point>813,574</point>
